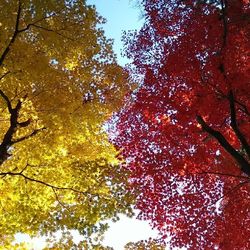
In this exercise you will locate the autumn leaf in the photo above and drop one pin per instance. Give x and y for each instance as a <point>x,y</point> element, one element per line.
<point>58,169</point>
<point>185,132</point>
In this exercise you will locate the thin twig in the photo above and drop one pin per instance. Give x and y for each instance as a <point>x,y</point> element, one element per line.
<point>225,174</point>
<point>36,131</point>
<point>35,22</point>
<point>230,191</point>
<point>5,74</point>
<point>42,182</point>
<point>51,30</point>
<point>58,200</point>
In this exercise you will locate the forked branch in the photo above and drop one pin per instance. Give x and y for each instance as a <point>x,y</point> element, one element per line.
<point>13,38</point>
<point>7,140</point>
<point>226,175</point>
<point>235,188</point>
<point>243,163</point>
<point>234,124</point>
<point>41,182</point>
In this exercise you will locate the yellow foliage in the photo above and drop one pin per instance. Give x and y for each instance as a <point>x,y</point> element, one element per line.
<point>59,82</point>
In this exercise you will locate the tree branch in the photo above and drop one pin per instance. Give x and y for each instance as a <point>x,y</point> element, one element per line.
<point>231,190</point>
<point>220,93</point>
<point>51,30</point>
<point>25,123</point>
<point>223,4</point>
<point>28,136</point>
<point>58,200</point>
<point>8,141</point>
<point>5,74</point>
<point>225,174</point>
<point>7,100</point>
<point>42,182</point>
<point>234,124</point>
<point>35,22</point>
<point>243,107</point>
<point>243,163</point>
<point>17,31</point>
<point>13,38</point>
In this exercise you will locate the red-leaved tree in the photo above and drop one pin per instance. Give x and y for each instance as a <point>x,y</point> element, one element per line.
<point>185,132</point>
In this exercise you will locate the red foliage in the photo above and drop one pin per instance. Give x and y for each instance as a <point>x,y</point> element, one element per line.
<point>185,133</point>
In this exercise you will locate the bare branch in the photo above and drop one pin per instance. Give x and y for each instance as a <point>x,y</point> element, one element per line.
<point>18,31</point>
<point>35,24</point>
<point>7,139</point>
<point>27,165</point>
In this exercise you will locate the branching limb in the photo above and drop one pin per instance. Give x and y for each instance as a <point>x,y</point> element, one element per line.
<point>18,31</point>
<point>24,124</point>
<point>225,174</point>
<point>224,4</point>
<point>42,182</point>
<point>7,100</point>
<point>234,124</point>
<point>243,163</point>
<point>51,30</point>
<point>8,141</point>
<point>5,74</point>
<point>35,22</point>
<point>222,95</point>
<point>58,200</point>
<point>36,131</point>
<point>13,38</point>
<point>243,107</point>
<point>238,186</point>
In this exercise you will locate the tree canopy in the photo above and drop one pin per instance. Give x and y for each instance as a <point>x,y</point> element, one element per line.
<point>59,82</point>
<point>149,244</point>
<point>185,132</point>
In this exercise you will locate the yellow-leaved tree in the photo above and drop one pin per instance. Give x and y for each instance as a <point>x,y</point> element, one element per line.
<point>149,244</point>
<point>59,82</point>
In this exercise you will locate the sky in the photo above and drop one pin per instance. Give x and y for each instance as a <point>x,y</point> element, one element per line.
<point>121,15</point>
<point>119,234</point>
<point>127,230</point>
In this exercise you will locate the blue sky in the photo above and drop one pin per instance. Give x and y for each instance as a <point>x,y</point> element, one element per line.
<point>120,15</point>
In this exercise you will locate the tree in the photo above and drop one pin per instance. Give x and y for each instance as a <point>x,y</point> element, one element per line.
<point>59,82</point>
<point>150,244</point>
<point>185,132</point>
